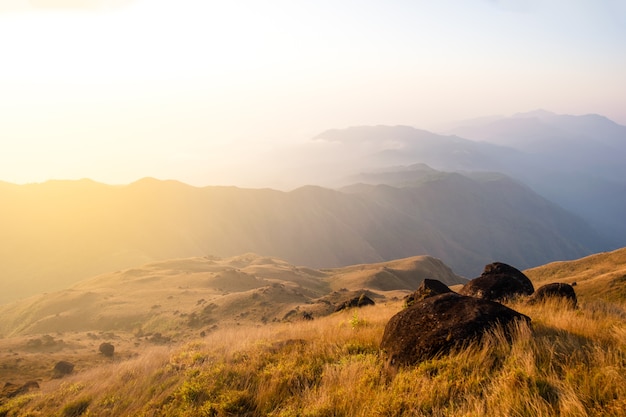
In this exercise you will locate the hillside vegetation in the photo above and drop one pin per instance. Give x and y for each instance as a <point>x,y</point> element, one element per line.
<point>568,362</point>
<point>571,363</point>
<point>598,276</point>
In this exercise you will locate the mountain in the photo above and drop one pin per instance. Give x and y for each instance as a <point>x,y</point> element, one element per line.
<point>181,295</point>
<point>367,148</point>
<point>574,161</point>
<point>61,232</point>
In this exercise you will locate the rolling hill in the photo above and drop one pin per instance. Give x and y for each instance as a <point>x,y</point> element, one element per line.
<point>179,296</point>
<point>597,276</point>
<point>178,354</point>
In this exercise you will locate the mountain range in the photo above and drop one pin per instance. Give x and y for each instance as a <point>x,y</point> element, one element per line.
<point>527,189</point>
<point>574,161</point>
<point>60,232</point>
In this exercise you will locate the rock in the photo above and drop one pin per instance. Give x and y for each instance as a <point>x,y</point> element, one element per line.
<point>555,289</point>
<point>436,324</point>
<point>428,288</point>
<point>360,301</point>
<point>63,368</point>
<point>498,281</point>
<point>12,390</point>
<point>107,349</point>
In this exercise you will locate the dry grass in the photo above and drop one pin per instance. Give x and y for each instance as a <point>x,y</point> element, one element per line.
<point>571,363</point>
<point>598,276</point>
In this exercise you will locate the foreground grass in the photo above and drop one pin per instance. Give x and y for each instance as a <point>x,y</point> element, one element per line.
<point>571,363</point>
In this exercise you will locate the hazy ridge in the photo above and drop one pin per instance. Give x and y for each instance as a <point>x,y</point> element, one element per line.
<point>60,232</point>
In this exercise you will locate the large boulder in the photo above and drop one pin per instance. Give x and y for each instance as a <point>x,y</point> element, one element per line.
<point>437,324</point>
<point>498,281</point>
<point>555,290</point>
<point>428,288</point>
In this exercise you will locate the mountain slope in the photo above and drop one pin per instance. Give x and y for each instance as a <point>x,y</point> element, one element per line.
<point>57,233</point>
<point>576,161</point>
<point>601,275</point>
<point>471,220</point>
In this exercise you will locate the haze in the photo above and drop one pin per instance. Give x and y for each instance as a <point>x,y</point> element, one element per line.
<point>210,92</point>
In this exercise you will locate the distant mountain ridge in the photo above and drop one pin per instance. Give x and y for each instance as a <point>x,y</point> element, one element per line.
<point>60,232</point>
<point>574,161</point>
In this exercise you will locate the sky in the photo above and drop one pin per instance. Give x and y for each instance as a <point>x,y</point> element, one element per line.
<point>206,91</point>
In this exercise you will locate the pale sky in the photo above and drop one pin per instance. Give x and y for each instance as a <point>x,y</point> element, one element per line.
<point>201,91</point>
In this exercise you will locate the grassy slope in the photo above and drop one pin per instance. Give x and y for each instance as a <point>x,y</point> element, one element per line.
<point>571,363</point>
<point>602,275</point>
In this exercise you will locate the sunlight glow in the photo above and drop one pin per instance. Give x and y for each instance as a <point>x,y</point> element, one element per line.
<point>102,83</point>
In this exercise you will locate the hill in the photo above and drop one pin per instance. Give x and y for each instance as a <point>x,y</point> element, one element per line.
<point>598,276</point>
<point>184,296</point>
<point>60,232</point>
<point>570,362</point>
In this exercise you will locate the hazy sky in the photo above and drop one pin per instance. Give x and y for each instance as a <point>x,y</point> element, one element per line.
<point>199,91</point>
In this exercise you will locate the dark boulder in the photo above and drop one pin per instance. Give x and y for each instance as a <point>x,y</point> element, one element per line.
<point>107,349</point>
<point>13,390</point>
<point>428,288</point>
<point>437,324</point>
<point>498,281</point>
<point>360,301</point>
<point>555,290</point>
<point>63,368</point>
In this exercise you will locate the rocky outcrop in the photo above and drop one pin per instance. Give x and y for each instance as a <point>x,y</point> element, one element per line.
<point>498,281</point>
<point>360,301</point>
<point>555,290</point>
<point>438,323</point>
<point>428,288</point>
<point>13,390</point>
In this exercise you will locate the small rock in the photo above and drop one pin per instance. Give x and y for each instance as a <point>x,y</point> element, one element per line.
<point>428,288</point>
<point>107,349</point>
<point>360,301</point>
<point>63,368</point>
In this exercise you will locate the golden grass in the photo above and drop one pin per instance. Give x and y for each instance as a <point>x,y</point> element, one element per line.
<point>598,276</point>
<point>570,363</point>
